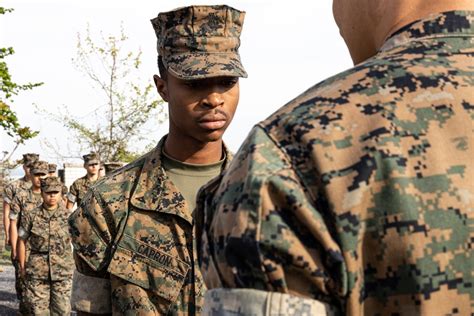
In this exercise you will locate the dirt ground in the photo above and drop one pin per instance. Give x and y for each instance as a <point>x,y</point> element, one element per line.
<point>8,301</point>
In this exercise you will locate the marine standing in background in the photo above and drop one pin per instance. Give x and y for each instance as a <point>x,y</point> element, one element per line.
<point>52,173</point>
<point>357,197</point>
<point>11,190</point>
<point>79,187</point>
<point>49,267</point>
<point>135,228</point>
<point>23,202</point>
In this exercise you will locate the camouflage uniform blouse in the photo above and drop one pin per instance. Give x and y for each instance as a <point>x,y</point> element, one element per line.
<point>360,191</point>
<point>49,244</point>
<point>79,189</point>
<point>135,225</point>
<point>14,187</point>
<point>24,202</point>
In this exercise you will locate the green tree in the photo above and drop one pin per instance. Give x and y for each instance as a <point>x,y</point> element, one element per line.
<point>128,105</point>
<point>8,118</point>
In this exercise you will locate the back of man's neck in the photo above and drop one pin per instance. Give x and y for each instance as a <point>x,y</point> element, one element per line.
<point>417,10</point>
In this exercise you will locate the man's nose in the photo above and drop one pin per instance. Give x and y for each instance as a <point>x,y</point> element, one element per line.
<point>213,99</point>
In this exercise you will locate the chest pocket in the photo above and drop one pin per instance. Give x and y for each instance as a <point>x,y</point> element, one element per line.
<point>39,240</point>
<point>148,267</point>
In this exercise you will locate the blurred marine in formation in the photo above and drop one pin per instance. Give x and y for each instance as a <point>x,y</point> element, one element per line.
<point>25,201</point>
<point>79,188</point>
<point>133,233</point>
<point>13,188</point>
<point>357,197</point>
<point>10,192</point>
<point>52,173</point>
<point>47,270</point>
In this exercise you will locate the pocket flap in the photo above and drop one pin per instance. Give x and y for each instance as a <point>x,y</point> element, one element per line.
<point>146,266</point>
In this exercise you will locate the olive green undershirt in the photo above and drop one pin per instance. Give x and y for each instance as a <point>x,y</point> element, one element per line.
<point>189,178</point>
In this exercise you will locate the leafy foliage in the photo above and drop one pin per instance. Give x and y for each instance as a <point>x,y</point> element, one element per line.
<point>8,89</point>
<point>128,105</point>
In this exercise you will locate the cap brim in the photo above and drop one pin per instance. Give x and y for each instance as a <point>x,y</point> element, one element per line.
<point>93,161</point>
<point>38,171</point>
<point>204,65</point>
<point>52,189</point>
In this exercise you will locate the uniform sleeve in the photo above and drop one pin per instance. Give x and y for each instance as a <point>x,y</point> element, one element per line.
<point>90,230</point>
<point>15,208</point>
<point>72,195</point>
<point>91,233</point>
<point>26,224</point>
<point>263,229</point>
<point>8,194</point>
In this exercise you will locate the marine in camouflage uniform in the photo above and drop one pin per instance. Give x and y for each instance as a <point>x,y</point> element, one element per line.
<point>359,193</point>
<point>52,173</point>
<point>24,202</point>
<point>79,188</point>
<point>13,187</point>
<point>50,265</point>
<point>135,227</point>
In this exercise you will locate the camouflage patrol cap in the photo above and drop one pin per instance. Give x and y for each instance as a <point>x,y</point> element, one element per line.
<point>51,184</point>
<point>112,165</point>
<point>52,167</point>
<point>39,167</point>
<point>91,158</point>
<point>29,159</point>
<point>199,41</point>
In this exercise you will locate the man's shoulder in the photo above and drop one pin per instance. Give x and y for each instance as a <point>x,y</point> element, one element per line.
<point>20,183</point>
<point>80,181</point>
<point>120,183</point>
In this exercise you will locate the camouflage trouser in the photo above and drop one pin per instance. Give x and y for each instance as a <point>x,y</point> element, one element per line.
<point>49,297</point>
<point>20,289</point>
<point>240,302</point>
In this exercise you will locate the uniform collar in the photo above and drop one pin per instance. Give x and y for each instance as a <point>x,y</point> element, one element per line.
<point>452,23</point>
<point>154,190</point>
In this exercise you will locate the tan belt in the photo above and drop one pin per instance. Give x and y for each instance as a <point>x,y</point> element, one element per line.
<point>261,303</point>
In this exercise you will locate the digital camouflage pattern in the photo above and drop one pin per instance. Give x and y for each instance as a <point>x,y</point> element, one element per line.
<point>246,302</point>
<point>49,264</point>
<point>91,158</point>
<point>24,202</point>
<point>51,184</point>
<point>49,243</point>
<point>78,190</point>
<point>135,225</point>
<point>200,41</point>
<point>15,186</point>
<point>359,192</point>
<point>49,297</point>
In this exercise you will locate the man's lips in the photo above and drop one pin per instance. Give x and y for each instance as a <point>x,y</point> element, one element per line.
<point>212,122</point>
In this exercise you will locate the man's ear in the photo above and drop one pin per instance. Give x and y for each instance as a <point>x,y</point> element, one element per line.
<point>162,87</point>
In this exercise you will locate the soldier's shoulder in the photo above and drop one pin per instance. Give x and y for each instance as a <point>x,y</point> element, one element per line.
<point>121,182</point>
<point>376,78</point>
<point>79,181</point>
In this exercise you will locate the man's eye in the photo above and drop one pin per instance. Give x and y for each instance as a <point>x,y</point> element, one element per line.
<point>192,84</point>
<point>229,82</point>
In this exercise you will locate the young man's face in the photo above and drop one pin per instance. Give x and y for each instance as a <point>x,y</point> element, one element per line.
<point>199,109</point>
<point>51,199</point>
<point>27,171</point>
<point>92,168</point>
<point>36,179</point>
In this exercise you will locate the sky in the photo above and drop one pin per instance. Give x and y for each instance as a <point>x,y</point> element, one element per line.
<point>286,47</point>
